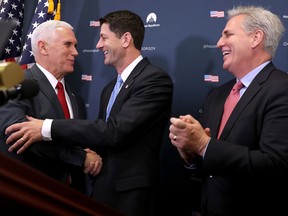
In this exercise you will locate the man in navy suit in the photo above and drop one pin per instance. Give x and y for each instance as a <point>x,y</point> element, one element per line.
<point>54,48</point>
<point>129,138</point>
<point>244,171</point>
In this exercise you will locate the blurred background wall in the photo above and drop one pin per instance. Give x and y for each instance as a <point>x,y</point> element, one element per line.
<point>181,37</point>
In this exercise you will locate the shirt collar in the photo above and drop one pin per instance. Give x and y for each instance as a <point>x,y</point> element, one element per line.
<point>52,80</point>
<point>130,67</point>
<point>248,78</point>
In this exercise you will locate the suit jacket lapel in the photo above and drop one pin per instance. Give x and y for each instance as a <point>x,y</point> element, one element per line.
<point>126,85</point>
<point>47,90</point>
<point>249,94</point>
<point>73,101</point>
<point>136,71</point>
<point>218,106</point>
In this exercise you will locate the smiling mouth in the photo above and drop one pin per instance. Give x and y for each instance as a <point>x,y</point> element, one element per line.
<point>224,53</point>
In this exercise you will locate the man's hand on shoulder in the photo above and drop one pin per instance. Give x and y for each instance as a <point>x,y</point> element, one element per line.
<point>22,135</point>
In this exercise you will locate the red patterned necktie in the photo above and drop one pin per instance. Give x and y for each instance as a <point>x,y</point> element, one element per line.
<point>63,102</point>
<point>230,103</point>
<point>62,99</point>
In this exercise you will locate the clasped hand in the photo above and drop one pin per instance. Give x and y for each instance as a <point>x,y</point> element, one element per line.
<point>188,135</point>
<point>23,134</point>
<point>93,163</point>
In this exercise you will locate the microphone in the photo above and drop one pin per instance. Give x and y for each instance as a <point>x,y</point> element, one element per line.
<point>10,74</point>
<point>24,90</point>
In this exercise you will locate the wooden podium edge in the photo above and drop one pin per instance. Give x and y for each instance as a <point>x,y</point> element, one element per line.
<point>25,188</point>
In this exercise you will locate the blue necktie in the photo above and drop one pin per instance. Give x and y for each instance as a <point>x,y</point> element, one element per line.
<point>113,95</point>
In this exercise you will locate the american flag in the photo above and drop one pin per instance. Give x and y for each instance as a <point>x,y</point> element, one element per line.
<point>211,78</point>
<point>13,9</point>
<point>217,14</point>
<point>95,23</point>
<point>86,77</point>
<point>41,15</point>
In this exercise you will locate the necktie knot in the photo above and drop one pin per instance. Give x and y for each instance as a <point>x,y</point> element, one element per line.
<point>119,80</point>
<point>236,88</point>
<point>59,85</point>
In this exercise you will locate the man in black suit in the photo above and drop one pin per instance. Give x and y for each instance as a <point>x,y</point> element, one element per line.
<point>54,48</point>
<point>129,138</point>
<point>244,171</point>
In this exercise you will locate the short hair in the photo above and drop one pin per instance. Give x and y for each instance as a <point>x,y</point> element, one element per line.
<point>257,17</point>
<point>126,21</point>
<point>46,31</point>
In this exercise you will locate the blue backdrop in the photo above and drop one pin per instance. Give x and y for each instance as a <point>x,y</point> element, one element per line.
<point>181,37</point>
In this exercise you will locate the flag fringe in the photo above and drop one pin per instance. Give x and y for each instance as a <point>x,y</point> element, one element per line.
<point>58,14</point>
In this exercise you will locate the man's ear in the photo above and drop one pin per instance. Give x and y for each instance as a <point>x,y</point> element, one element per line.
<point>42,46</point>
<point>258,37</point>
<point>127,39</point>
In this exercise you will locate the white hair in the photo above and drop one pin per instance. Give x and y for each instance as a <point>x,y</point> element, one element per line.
<point>46,31</point>
<point>257,17</point>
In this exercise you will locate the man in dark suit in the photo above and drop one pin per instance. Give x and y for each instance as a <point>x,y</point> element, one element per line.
<point>54,49</point>
<point>129,138</point>
<point>244,171</point>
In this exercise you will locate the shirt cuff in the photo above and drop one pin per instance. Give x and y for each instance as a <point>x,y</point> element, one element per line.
<point>46,130</point>
<point>206,149</point>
